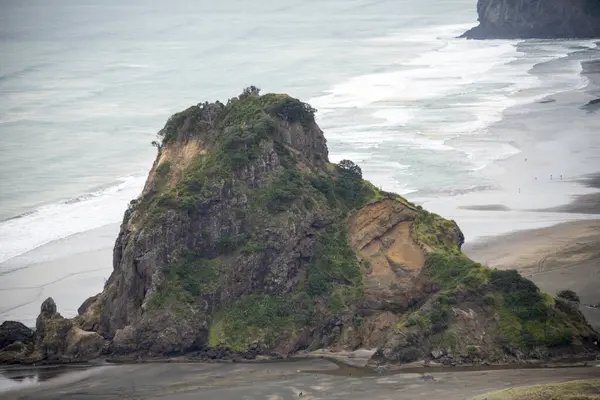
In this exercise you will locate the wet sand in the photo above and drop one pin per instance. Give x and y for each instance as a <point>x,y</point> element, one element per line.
<point>69,270</point>
<point>279,381</point>
<point>564,256</point>
<point>586,203</point>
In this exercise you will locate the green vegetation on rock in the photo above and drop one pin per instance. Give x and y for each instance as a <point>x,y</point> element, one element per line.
<point>569,295</point>
<point>528,318</point>
<point>333,274</point>
<point>435,232</point>
<point>334,264</point>
<point>187,279</point>
<point>235,132</point>
<point>345,188</point>
<point>258,319</point>
<point>455,272</point>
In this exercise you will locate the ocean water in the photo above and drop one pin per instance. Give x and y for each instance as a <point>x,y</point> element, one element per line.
<point>85,86</point>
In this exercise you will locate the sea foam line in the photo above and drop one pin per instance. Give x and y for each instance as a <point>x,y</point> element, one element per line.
<point>455,88</point>
<point>56,221</point>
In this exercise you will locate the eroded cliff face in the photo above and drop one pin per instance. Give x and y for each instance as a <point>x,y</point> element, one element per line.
<point>247,241</point>
<point>506,19</point>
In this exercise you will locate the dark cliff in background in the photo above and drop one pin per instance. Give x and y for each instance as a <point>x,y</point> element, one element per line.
<point>543,19</point>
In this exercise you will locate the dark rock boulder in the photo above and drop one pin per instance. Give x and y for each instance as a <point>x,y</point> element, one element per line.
<point>507,19</point>
<point>12,331</point>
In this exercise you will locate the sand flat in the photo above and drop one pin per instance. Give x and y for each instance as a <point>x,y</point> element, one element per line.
<point>286,380</point>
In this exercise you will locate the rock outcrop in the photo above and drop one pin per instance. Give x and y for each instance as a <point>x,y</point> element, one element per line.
<point>247,241</point>
<point>56,340</point>
<point>548,19</point>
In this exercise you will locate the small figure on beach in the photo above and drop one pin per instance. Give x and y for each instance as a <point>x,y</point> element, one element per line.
<point>561,177</point>
<point>519,190</point>
<point>550,176</point>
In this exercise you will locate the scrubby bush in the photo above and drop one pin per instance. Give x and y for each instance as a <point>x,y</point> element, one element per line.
<point>349,186</point>
<point>519,294</point>
<point>351,167</point>
<point>187,278</point>
<point>163,169</point>
<point>293,110</point>
<point>284,190</point>
<point>439,317</point>
<point>568,295</point>
<point>249,91</point>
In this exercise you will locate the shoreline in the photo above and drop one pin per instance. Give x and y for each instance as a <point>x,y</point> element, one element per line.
<point>527,190</point>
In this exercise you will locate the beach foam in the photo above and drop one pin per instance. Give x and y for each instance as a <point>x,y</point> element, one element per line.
<point>59,220</point>
<point>453,88</point>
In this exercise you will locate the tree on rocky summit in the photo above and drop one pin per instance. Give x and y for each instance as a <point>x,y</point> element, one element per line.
<point>351,167</point>
<point>250,90</point>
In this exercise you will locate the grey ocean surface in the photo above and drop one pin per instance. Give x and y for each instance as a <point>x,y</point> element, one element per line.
<point>85,86</point>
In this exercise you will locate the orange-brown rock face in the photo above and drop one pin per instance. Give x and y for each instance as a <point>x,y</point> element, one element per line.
<point>380,233</point>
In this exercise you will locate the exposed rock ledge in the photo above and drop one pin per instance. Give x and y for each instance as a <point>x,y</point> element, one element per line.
<point>543,19</point>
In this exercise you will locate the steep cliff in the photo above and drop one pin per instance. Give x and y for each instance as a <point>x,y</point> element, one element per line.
<point>247,241</point>
<point>506,19</point>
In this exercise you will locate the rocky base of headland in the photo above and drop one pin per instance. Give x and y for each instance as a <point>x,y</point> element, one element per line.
<point>56,340</point>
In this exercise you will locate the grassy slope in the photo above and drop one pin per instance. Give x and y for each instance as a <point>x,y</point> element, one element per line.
<point>588,389</point>
<point>527,318</point>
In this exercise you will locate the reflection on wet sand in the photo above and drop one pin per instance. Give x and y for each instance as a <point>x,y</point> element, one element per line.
<point>21,377</point>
